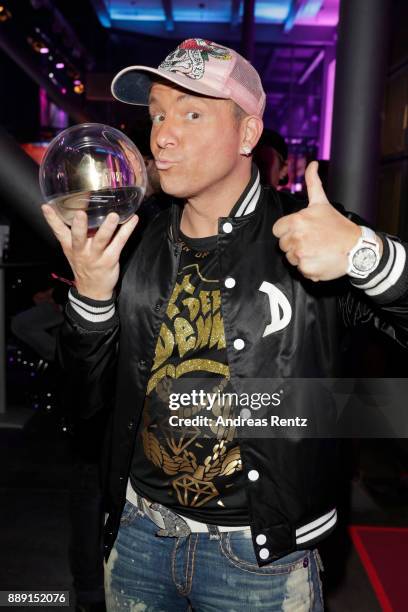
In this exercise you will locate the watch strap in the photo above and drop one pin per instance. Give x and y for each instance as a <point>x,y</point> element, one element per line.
<point>368,239</point>
<point>368,235</point>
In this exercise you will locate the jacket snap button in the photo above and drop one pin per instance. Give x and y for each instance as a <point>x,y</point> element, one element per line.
<point>229,282</point>
<point>264,553</point>
<point>142,363</point>
<point>253,475</point>
<point>130,425</point>
<point>239,344</point>
<point>260,539</point>
<point>157,307</point>
<point>227,227</point>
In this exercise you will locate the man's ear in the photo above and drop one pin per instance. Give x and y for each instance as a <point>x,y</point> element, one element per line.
<point>252,128</point>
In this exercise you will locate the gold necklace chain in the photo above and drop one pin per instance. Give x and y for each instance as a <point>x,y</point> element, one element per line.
<point>187,249</point>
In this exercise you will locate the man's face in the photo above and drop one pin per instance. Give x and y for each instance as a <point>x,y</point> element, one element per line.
<point>153,179</point>
<point>195,140</point>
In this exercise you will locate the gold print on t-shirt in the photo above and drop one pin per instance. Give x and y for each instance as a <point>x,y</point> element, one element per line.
<point>204,327</point>
<point>194,486</point>
<point>190,365</point>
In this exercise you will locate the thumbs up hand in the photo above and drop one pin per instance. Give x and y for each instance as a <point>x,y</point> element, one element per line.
<point>317,239</point>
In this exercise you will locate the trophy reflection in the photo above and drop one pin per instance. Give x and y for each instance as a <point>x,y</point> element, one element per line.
<point>95,168</point>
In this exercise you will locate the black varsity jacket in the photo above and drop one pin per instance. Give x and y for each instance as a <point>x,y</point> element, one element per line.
<point>107,351</point>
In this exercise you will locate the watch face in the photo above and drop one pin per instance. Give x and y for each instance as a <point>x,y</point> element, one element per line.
<point>364,259</point>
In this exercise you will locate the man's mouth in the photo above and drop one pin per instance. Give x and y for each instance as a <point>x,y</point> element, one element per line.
<point>163,164</point>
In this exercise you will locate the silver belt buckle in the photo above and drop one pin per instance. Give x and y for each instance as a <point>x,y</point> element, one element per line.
<point>174,525</point>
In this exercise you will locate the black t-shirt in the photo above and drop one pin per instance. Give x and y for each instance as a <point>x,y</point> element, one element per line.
<point>193,473</point>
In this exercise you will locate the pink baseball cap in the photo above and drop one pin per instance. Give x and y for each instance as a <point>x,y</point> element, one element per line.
<point>201,66</point>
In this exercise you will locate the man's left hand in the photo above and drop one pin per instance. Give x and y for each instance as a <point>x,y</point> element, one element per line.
<point>317,239</point>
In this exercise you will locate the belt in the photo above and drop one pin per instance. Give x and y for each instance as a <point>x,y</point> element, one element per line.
<point>173,524</point>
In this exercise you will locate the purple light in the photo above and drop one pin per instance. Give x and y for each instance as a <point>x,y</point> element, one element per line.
<point>328,112</point>
<point>63,90</point>
<point>44,50</point>
<point>77,82</point>
<point>60,65</point>
<point>43,107</point>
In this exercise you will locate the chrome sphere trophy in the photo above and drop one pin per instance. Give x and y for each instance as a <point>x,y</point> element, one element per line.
<point>95,168</point>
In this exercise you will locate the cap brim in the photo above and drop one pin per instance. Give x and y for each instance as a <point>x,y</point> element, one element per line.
<point>132,85</point>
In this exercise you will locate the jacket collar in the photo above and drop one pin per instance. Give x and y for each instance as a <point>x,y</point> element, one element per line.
<point>245,205</point>
<point>249,197</point>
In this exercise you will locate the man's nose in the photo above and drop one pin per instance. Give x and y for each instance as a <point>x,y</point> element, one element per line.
<point>166,135</point>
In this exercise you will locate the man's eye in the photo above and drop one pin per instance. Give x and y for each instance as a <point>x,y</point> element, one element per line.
<point>157,118</point>
<point>193,115</point>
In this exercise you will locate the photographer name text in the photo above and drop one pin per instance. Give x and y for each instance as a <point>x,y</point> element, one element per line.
<point>204,421</point>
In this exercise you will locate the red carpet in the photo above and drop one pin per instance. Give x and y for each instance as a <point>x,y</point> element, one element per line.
<point>384,553</point>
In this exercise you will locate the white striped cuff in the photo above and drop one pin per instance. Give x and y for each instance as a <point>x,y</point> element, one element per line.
<point>316,528</point>
<point>389,274</point>
<point>93,314</point>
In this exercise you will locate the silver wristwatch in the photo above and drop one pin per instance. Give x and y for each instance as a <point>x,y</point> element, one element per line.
<point>364,257</point>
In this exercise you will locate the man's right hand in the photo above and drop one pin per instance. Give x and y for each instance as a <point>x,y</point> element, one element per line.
<point>94,260</point>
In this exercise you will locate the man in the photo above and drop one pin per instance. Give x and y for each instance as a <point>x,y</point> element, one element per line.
<point>155,200</point>
<point>271,157</point>
<point>220,288</point>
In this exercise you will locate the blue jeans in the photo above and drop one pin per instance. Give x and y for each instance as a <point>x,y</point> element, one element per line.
<point>146,573</point>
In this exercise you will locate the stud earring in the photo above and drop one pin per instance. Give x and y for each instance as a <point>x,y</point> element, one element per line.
<point>246,150</point>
